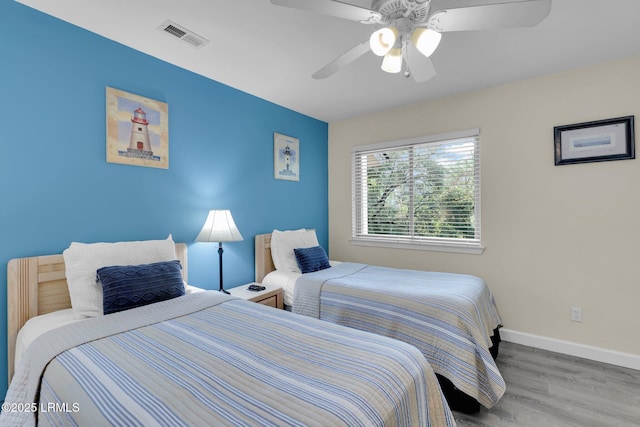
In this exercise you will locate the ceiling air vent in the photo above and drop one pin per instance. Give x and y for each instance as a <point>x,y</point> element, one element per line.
<point>182,33</point>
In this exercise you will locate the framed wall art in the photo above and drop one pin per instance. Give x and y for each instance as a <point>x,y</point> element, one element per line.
<point>597,141</point>
<point>286,157</point>
<point>137,130</point>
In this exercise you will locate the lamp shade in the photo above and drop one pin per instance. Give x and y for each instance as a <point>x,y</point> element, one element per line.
<point>426,40</point>
<point>392,62</point>
<point>383,40</point>
<point>219,227</point>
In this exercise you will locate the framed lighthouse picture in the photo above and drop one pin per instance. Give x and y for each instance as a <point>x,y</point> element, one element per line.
<point>137,130</point>
<point>286,157</point>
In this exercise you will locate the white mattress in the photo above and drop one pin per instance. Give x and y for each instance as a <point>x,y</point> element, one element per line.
<point>38,325</point>
<point>286,279</point>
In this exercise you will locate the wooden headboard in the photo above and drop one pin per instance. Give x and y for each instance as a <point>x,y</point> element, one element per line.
<point>264,262</point>
<point>38,285</point>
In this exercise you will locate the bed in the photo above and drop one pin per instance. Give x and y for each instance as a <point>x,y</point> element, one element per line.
<point>451,318</point>
<point>204,358</point>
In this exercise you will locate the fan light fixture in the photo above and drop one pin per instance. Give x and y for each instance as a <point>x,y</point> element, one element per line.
<point>382,41</point>
<point>425,40</point>
<point>392,62</point>
<point>388,42</point>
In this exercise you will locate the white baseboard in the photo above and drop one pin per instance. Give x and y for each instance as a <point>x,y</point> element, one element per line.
<point>613,357</point>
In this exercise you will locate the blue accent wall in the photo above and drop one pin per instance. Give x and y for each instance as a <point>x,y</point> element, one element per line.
<point>57,186</point>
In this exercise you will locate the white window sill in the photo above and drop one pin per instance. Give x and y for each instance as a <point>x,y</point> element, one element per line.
<point>464,248</point>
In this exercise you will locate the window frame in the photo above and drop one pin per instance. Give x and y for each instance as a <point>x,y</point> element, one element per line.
<point>456,245</point>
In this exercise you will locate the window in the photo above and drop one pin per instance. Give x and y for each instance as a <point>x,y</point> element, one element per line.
<point>419,193</point>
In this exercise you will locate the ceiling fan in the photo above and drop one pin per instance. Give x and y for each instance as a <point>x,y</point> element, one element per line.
<point>409,31</point>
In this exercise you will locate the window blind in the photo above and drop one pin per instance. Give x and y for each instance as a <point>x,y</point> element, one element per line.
<point>419,191</point>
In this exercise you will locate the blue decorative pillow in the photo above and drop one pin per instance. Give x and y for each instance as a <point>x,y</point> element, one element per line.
<point>312,259</point>
<point>131,286</point>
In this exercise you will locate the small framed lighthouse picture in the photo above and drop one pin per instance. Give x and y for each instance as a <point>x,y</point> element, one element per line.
<point>137,130</point>
<point>286,157</point>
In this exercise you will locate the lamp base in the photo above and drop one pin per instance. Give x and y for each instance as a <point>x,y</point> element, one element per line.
<point>220,250</point>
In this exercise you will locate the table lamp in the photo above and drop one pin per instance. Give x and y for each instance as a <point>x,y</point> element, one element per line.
<point>219,227</point>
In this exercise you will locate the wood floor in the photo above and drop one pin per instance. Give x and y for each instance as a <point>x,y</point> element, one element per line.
<point>546,389</point>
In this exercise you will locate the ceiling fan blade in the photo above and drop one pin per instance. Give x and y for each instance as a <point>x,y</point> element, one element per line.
<point>420,67</point>
<point>333,8</point>
<point>501,15</point>
<point>342,61</point>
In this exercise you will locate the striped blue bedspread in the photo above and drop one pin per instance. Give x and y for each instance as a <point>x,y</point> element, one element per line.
<point>212,360</point>
<point>449,317</point>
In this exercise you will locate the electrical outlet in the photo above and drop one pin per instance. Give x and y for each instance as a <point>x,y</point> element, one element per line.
<point>576,314</point>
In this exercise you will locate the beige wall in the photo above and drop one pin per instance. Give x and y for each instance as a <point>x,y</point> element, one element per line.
<point>555,236</point>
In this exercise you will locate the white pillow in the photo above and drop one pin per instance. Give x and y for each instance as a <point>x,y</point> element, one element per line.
<point>82,260</point>
<point>284,242</point>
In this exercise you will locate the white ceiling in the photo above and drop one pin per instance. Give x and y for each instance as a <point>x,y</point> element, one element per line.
<point>271,51</point>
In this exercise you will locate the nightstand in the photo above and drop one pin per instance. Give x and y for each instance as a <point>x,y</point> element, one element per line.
<point>271,296</point>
